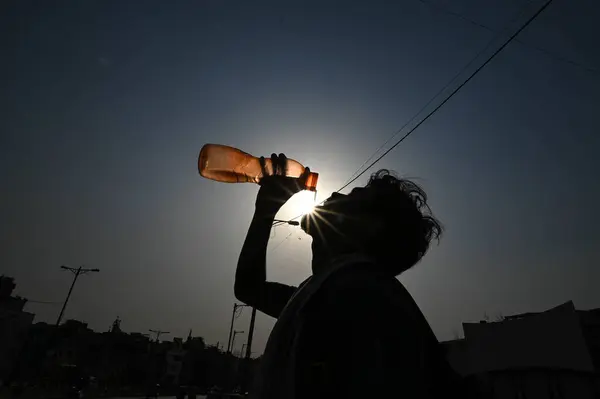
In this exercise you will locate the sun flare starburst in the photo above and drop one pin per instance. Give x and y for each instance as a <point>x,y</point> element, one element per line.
<point>303,203</point>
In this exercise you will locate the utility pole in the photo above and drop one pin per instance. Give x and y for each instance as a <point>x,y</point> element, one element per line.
<point>77,272</point>
<point>235,308</point>
<point>250,334</point>
<point>158,333</point>
<point>236,332</point>
<point>246,364</point>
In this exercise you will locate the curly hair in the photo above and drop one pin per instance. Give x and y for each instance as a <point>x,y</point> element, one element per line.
<point>409,226</point>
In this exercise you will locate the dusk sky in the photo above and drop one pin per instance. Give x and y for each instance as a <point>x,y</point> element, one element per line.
<point>106,104</point>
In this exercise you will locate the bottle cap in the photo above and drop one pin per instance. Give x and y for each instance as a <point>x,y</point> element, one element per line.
<point>311,181</point>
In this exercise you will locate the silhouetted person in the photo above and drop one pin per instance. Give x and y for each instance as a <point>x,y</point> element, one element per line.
<point>351,330</point>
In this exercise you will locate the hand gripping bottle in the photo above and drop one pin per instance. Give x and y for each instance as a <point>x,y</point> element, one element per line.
<point>230,165</point>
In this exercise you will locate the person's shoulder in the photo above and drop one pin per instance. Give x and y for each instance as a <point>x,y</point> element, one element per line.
<point>360,286</point>
<point>303,283</point>
<point>357,284</point>
<point>362,277</point>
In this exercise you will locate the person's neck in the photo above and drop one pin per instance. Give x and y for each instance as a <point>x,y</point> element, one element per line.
<point>322,261</point>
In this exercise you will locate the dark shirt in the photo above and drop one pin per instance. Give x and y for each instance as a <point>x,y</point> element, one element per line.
<point>363,336</point>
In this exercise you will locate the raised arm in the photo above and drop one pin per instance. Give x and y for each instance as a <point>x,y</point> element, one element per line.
<point>251,285</point>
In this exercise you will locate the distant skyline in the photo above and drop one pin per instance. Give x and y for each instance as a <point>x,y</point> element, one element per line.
<point>106,104</point>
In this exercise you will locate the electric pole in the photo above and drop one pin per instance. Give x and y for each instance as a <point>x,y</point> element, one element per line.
<point>246,357</point>
<point>233,317</point>
<point>77,272</point>
<point>158,333</point>
<point>236,332</point>
<point>250,334</point>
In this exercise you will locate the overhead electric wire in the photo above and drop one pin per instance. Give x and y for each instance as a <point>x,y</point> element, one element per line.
<point>44,302</point>
<point>431,113</point>
<point>464,68</point>
<point>280,242</point>
<point>532,46</point>
<point>454,92</point>
<point>453,13</point>
<point>424,107</point>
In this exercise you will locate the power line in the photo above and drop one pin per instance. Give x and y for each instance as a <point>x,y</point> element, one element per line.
<point>431,113</point>
<point>461,16</point>
<point>443,89</point>
<point>453,13</point>
<point>43,302</point>
<point>506,43</point>
<point>548,53</point>
<point>355,177</point>
<point>30,301</point>
<point>281,242</point>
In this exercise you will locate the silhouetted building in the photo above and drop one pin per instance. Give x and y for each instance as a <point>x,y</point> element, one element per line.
<point>14,323</point>
<point>174,358</point>
<point>590,322</point>
<point>126,361</point>
<point>73,346</point>
<point>115,363</point>
<point>533,355</point>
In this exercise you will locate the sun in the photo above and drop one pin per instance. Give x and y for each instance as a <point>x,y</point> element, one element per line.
<point>303,202</point>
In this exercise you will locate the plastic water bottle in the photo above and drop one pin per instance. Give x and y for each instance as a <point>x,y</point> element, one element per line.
<point>230,165</point>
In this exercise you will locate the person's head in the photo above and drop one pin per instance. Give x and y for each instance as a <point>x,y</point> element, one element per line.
<point>388,220</point>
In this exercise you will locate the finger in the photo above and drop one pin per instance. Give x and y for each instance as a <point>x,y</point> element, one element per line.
<point>263,167</point>
<point>306,173</point>
<point>304,176</point>
<point>283,164</point>
<point>275,164</point>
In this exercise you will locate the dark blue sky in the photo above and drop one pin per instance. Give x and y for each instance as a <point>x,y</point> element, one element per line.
<point>105,105</point>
